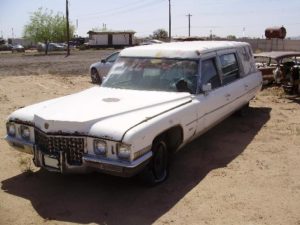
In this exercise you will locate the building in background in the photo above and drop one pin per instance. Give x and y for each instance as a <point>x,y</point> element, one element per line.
<point>111,39</point>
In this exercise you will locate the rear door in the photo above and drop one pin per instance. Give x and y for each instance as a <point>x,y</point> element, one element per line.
<point>233,84</point>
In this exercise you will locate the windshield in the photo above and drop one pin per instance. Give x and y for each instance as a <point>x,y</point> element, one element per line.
<point>177,75</point>
<point>266,60</point>
<point>290,60</point>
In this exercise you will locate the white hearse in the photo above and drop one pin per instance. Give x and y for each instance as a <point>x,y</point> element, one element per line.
<point>155,99</point>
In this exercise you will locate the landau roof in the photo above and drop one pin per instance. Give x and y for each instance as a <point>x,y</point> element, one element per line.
<point>192,49</point>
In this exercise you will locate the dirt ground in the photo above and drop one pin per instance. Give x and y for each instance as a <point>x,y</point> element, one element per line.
<point>244,171</point>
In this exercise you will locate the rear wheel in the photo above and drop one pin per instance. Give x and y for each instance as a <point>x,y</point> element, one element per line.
<point>157,170</point>
<point>95,76</point>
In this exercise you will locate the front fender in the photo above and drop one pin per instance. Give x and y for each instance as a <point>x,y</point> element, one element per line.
<point>142,135</point>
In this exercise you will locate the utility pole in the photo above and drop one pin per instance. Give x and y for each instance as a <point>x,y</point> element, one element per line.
<point>170,36</point>
<point>189,16</point>
<point>77,27</point>
<point>12,36</point>
<point>68,29</point>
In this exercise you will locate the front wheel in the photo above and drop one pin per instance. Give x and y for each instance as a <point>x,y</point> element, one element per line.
<point>157,170</point>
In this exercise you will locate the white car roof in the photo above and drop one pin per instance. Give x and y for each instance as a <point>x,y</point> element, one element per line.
<point>191,49</point>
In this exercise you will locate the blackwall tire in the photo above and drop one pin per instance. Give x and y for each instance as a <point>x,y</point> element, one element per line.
<point>95,76</point>
<point>157,170</point>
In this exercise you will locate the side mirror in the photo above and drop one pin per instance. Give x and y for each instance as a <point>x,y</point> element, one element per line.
<point>103,60</point>
<point>206,87</point>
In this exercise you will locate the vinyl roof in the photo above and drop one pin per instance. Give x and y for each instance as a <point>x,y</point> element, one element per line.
<point>191,49</point>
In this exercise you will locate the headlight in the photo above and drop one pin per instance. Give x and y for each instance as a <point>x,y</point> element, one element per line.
<point>99,147</point>
<point>124,151</point>
<point>11,129</point>
<point>25,132</point>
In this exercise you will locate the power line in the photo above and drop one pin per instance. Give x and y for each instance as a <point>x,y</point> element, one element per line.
<point>122,10</point>
<point>135,8</point>
<point>112,9</point>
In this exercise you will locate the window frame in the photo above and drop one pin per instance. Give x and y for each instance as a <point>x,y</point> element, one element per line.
<point>228,52</point>
<point>114,56</point>
<point>209,55</point>
<point>213,57</point>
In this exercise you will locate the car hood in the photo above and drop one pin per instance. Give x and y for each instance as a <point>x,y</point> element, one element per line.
<point>99,111</point>
<point>96,64</point>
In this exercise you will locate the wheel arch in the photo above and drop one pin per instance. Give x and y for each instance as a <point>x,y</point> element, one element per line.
<point>93,68</point>
<point>173,137</point>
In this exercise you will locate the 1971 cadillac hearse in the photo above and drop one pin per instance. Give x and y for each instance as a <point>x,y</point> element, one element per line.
<point>155,99</point>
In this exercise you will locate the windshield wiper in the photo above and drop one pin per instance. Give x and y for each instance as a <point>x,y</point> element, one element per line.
<point>120,82</point>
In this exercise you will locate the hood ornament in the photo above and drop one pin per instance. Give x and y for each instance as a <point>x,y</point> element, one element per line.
<point>110,99</point>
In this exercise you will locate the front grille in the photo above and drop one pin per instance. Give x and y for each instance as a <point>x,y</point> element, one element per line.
<point>52,145</point>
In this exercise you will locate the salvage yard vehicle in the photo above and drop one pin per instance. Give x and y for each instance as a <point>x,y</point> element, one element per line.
<point>155,100</point>
<point>5,47</point>
<point>282,67</point>
<point>52,47</point>
<point>100,69</point>
<point>17,48</point>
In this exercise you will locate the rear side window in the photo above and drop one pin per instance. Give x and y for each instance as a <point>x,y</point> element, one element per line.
<point>230,68</point>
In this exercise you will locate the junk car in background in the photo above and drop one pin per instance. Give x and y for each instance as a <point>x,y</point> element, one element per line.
<point>280,67</point>
<point>99,70</point>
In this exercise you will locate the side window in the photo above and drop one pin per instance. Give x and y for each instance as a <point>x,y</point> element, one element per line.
<point>209,73</point>
<point>230,67</point>
<point>112,58</point>
<point>245,59</point>
<point>250,51</point>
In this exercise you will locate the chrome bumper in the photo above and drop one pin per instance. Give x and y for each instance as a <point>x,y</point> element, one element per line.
<point>22,146</point>
<point>89,162</point>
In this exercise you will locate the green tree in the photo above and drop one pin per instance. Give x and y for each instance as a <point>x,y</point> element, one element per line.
<point>231,37</point>
<point>45,26</point>
<point>160,34</point>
